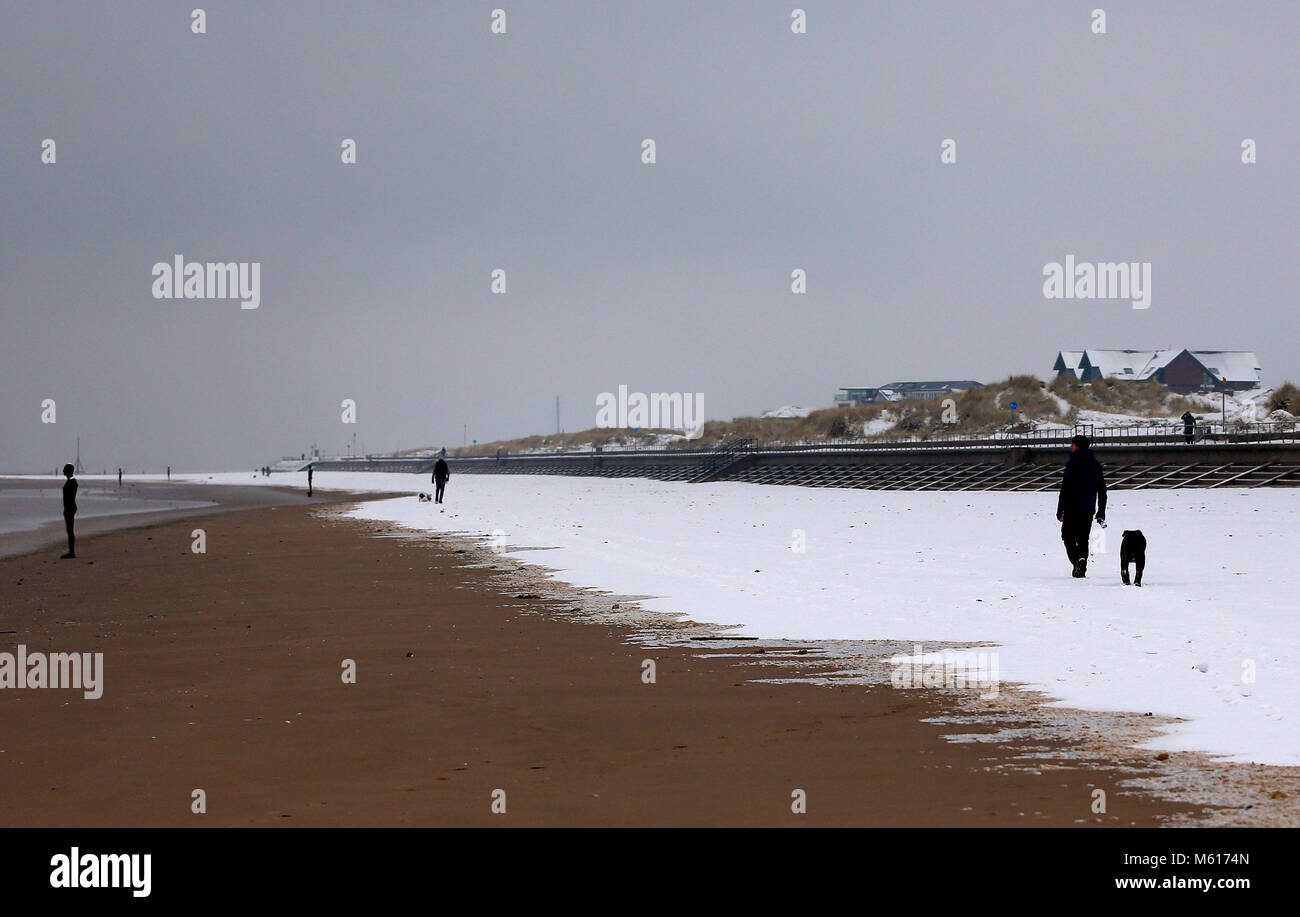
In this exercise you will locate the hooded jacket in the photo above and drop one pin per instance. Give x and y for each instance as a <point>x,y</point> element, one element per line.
<point>1083,486</point>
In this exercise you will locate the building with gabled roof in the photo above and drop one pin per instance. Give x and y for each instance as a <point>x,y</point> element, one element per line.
<point>1130,365</point>
<point>1212,370</point>
<point>1067,363</point>
<point>1184,371</point>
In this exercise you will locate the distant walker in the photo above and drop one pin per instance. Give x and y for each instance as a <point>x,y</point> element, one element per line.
<point>440,476</point>
<point>69,510</point>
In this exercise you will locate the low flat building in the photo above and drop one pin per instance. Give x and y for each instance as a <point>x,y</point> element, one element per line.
<point>906,391</point>
<point>903,391</point>
<point>849,397</point>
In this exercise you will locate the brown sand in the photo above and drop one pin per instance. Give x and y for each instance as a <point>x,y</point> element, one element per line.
<point>222,672</point>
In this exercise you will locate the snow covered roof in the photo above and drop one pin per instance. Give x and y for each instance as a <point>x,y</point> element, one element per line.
<point>787,412</point>
<point>1134,365</point>
<point>1237,366</point>
<point>1068,360</point>
<point>1233,365</point>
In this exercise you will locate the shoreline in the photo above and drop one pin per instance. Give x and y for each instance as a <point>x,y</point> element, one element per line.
<point>222,674</point>
<point>220,498</point>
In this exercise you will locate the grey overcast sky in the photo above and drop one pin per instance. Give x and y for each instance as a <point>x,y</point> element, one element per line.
<point>523,151</point>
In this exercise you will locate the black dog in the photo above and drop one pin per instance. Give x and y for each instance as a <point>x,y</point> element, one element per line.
<point>1132,550</point>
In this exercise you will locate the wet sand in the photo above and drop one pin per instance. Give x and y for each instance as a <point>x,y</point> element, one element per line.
<point>48,494</point>
<point>222,672</point>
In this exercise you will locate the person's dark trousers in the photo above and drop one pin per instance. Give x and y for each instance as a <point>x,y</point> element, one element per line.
<point>72,539</point>
<point>1075,530</point>
<point>437,497</point>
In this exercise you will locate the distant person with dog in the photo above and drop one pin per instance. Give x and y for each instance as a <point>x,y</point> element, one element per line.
<point>440,476</point>
<point>1083,495</point>
<point>69,510</point>
<point>1189,426</point>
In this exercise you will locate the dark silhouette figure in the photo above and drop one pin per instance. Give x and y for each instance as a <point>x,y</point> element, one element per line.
<point>309,480</point>
<point>1133,550</point>
<point>440,476</point>
<point>1189,426</point>
<point>169,472</point>
<point>119,477</point>
<point>1083,494</point>
<point>69,510</point>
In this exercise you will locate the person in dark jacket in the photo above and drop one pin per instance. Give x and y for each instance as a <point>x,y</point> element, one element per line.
<point>440,476</point>
<point>69,510</point>
<point>1083,495</point>
<point>309,473</point>
<point>1189,426</point>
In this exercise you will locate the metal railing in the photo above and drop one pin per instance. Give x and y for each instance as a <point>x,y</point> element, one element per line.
<point>724,455</point>
<point>712,458</point>
<point>1146,434</point>
<point>1108,435</point>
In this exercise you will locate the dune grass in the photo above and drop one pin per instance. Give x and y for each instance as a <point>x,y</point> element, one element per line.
<point>976,412</point>
<point>1286,397</point>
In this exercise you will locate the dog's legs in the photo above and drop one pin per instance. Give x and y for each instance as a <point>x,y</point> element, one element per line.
<point>1140,563</point>
<point>1123,569</point>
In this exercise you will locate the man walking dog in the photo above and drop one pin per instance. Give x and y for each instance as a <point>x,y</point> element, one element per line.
<point>1083,494</point>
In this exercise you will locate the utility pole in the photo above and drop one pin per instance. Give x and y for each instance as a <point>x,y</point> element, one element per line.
<point>80,470</point>
<point>557,415</point>
<point>465,438</point>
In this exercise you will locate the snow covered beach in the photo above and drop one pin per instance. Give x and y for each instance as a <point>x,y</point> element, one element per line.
<point>1209,638</point>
